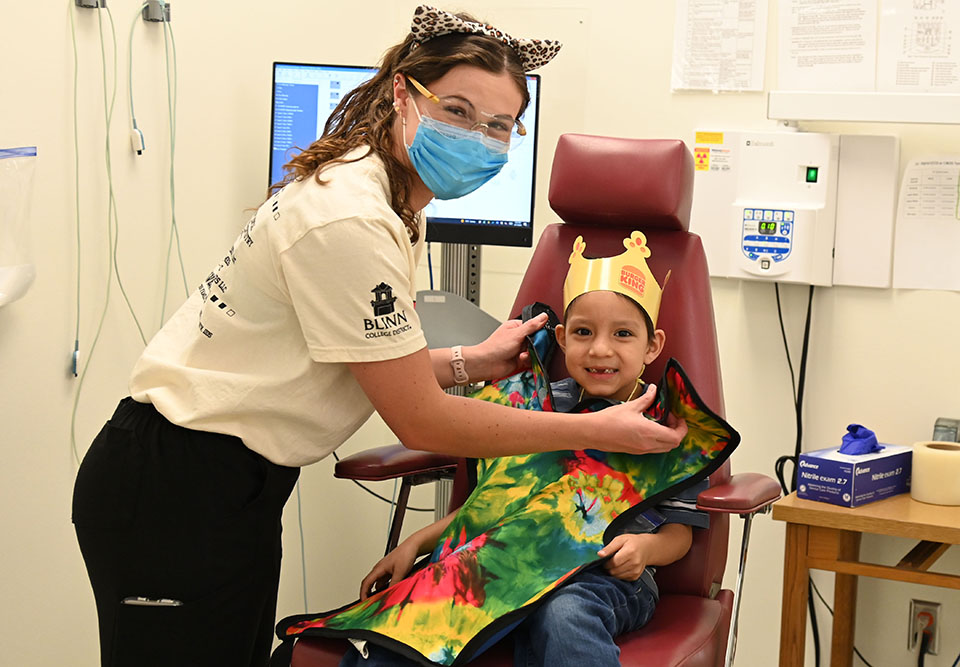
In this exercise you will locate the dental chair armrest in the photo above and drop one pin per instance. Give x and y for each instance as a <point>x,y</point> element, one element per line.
<point>745,493</point>
<point>392,461</point>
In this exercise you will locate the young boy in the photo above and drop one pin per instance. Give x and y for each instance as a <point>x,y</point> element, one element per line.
<point>608,337</point>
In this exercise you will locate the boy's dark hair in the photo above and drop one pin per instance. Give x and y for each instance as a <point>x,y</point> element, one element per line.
<point>646,318</point>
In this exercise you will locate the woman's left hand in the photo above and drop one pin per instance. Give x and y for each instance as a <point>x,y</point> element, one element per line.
<point>504,352</point>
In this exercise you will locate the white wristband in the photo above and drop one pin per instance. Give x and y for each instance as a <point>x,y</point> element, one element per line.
<point>459,365</point>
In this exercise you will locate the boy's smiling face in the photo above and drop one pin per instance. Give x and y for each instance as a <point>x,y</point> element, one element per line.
<point>606,344</point>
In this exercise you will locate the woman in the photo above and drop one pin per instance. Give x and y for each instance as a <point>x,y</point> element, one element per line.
<point>304,328</point>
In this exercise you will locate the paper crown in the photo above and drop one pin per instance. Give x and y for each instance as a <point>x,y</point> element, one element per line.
<point>626,274</point>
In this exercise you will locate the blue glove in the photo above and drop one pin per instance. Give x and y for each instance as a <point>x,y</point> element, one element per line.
<point>859,440</point>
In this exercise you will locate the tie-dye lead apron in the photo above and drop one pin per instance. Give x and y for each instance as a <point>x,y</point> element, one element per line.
<point>531,523</point>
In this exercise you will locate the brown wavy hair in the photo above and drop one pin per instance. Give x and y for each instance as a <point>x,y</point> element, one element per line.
<point>365,116</point>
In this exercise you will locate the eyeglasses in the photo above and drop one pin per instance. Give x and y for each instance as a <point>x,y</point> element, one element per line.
<point>460,112</point>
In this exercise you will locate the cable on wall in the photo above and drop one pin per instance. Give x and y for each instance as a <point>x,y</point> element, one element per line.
<point>171,109</point>
<point>136,135</point>
<point>113,217</point>
<point>111,257</point>
<point>856,651</point>
<point>139,140</point>
<point>783,460</point>
<point>76,192</point>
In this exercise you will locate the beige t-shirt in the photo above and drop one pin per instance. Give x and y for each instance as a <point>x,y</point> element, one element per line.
<point>322,275</point>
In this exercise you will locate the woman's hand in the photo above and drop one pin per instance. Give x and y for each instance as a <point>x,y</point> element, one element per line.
<point>389,570</point>
<point>504,352</point>
<point>406,394</point>
<point>630,431</point>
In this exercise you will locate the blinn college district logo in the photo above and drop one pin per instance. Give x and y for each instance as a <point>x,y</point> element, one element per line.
<point>385,321</point>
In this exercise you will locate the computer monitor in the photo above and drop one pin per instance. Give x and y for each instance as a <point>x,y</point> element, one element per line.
<point>498,213</point>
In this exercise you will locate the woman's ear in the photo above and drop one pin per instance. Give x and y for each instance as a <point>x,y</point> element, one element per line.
<point>655,347</point>
<point>401,107</point>
<point>561,333</point>
<point>400,95</point>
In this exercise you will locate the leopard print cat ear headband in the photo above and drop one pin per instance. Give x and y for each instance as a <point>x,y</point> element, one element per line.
<point>429,22</point>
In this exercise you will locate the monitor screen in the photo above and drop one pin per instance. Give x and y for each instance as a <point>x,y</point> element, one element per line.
<point>498,213</point>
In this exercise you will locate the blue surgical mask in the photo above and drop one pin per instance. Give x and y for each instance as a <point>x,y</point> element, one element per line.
<point>453,161</point>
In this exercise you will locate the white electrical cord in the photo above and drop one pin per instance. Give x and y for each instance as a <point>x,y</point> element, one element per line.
<point>138,141</point>
<point>76,192</point>
<point>106,301</point>
<point>113,223</point>
<point>136,134</point>
<point>112,214</point>
<point>171,108</point>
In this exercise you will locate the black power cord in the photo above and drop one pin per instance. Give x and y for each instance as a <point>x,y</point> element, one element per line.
<point>830,609</point>
<point>798,387</point>
<point>389,501</point>
<point>924,645</point>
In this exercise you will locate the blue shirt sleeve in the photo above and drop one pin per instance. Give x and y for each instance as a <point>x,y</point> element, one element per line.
<point>682,508</point>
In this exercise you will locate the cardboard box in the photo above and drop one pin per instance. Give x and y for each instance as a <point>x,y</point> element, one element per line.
<point>829,476</point>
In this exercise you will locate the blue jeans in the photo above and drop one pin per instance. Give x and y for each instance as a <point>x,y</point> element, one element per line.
<point>576,626</point>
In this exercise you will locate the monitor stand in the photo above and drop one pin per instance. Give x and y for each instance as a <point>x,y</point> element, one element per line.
<point>460,270</point>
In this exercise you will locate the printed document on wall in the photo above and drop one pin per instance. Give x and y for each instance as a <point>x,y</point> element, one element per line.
<point>827,45</point>
<point>928,226</point>
<point>719,45</point>
<point>918,51</point>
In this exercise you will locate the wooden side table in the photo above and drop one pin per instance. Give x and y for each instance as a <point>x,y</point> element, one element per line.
<point>821,536</point>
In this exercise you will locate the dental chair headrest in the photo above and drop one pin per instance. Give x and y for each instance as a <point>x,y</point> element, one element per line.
<point>630,183</point>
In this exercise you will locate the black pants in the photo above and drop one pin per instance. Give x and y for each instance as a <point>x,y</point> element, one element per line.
<point>189,522</point>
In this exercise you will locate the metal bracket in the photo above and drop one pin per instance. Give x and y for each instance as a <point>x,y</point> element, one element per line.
<point>91,4</point>
<point>156,11</point>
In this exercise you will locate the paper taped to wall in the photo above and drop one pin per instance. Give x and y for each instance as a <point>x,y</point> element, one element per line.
<point>916,51</point>
<point>719,45</point>
<point>827,45</point>
<point>928,225</point>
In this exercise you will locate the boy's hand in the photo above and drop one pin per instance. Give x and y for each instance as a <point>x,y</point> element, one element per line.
<point>628,556</point>
<point>392,568</point>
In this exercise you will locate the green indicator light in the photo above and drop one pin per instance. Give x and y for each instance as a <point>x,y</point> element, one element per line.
<point>812,173</point>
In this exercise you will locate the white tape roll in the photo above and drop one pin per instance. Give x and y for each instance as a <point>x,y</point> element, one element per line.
<point>936,473</point>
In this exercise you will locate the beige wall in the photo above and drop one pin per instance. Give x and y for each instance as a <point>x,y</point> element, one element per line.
<point>880,357</point>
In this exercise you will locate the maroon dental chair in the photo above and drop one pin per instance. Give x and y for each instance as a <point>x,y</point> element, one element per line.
<point>603,188</point>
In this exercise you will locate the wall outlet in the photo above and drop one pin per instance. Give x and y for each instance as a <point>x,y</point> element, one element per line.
<point>924,616</point>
